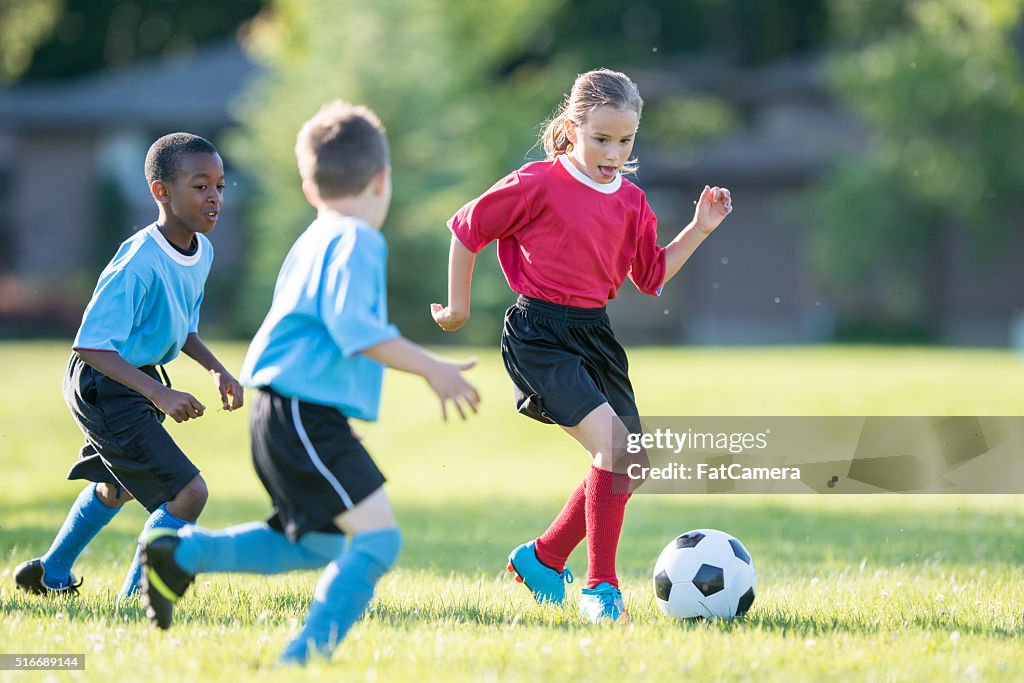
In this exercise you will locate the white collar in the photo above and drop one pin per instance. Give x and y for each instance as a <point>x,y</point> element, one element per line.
<point>603,188</point>
<point>175,255</point>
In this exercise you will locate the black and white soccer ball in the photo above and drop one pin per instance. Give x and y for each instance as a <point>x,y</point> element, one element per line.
<point>704,573</point>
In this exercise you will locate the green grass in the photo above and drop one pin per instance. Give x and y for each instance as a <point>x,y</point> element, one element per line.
<point>851,587</point>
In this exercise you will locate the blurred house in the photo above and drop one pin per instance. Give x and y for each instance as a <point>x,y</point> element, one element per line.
<point>72,185</point>
<point>751,283</point>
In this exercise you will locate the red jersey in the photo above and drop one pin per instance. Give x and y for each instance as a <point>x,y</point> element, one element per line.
<point>563,237</point>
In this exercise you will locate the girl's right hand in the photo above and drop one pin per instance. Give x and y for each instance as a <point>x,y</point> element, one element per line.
<point>446,318</point>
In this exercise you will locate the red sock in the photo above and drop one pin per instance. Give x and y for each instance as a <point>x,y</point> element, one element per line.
<point>566,532</point>
<point>604,512</point>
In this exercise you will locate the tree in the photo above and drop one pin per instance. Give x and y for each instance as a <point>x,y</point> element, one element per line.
<point>941,86</point>
<point>453,130</point>
<point>24,24</point>
<point>49,39</point>
<point>462,88</point>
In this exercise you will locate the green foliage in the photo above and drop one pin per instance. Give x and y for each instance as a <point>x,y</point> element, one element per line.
<point>111,214</point>
<point>682,120</point>
<point>453,130</point>
<point>762,31</point>
<point>941,87</point>
<point>862,22</point>
<point>871,243</point>
<point>23,25</point>
<point>462,88</point>
<point>645,32</point>
<point>81,36</point>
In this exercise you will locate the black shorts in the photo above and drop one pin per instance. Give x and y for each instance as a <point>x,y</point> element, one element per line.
<point>126,443</point>
<point>564,362</point>
<point>309,461</point>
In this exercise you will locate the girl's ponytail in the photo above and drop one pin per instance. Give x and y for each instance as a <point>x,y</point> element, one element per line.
<point>554,139</point>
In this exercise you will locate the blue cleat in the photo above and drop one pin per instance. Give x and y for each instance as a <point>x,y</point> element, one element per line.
<point>547,585</point>
<point>603,601</point>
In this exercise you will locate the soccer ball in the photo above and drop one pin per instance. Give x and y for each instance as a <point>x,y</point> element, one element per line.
<point>704,573</point>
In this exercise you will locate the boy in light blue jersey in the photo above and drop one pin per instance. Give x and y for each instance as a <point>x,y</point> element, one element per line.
<point>344,292</point>
<point>317,360</point>
<point>145,310</point>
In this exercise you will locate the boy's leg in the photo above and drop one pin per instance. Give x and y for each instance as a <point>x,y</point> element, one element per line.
<point>253,548</point>
<point>183,509</point>
<point>127,439</point>
<point>171,560</point>
<point>346,586</point>
<point>95,506</point>
<point>607,494</point>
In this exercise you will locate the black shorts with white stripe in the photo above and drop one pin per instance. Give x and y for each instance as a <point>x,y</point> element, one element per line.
<point>309,461</point>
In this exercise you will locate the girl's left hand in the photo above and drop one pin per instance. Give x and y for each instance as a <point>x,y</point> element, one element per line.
<point>447,319</point>
<point>714,205</point>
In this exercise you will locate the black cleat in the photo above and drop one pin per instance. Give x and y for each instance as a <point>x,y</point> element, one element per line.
<point>163,581</point>
<point>31,577</point>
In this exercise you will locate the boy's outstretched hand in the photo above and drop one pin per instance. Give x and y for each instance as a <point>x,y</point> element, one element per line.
<point>714,205</point>
<point>229,388</point>
<point>445,378</point>
<point>447,319</point>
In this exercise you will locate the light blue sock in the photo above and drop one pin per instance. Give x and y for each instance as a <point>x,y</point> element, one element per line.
<point>160,519</point>
<point>343,592</point>
<point>254,548</point>
<point>88,514</point>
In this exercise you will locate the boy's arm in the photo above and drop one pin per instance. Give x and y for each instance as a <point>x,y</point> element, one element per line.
<point>714,205</point>
<point>227,385</point>
<point>178,404</point>
<point>460,281</point>
<point>444,377</point>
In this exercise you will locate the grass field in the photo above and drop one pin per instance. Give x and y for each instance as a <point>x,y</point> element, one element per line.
<point>875,588</point>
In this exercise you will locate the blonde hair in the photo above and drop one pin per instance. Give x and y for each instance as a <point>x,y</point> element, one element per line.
<point>597,88</point>
<point>341,148</point>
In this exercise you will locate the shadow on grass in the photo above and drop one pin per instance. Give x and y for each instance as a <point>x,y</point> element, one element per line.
<point>470,540</point>
<point>32,540</point>
<point>830,623</point>
<point>783,540</point>
<point>290,604</point>
<point>566,619</point>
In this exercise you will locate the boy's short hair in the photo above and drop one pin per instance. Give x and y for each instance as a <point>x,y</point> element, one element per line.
<point>341,148</point>
<point>163,161</point>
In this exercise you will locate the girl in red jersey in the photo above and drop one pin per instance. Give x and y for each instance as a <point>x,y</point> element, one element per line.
<point>570,230</point>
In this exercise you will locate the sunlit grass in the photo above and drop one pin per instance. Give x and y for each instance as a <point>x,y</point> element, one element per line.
<point>850,587</point>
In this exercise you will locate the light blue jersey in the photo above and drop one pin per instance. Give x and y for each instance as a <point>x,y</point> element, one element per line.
<point>147,299</point>
<point>330,303</point>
